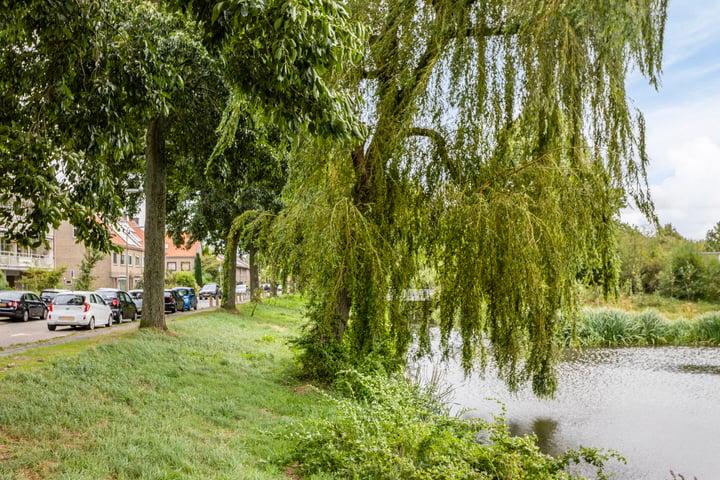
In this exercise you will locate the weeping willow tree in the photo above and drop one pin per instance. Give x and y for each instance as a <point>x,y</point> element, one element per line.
<point>500,145</point>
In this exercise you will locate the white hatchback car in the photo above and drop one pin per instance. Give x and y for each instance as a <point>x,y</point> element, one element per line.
<point>79,309</point>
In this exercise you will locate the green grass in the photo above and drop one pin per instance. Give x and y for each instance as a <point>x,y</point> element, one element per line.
<point>211,399</point>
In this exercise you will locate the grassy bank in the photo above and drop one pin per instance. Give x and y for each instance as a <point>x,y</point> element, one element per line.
<point>193,404</point>
<point>217,397</point>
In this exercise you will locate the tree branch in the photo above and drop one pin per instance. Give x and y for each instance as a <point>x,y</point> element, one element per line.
<point>441,146</point>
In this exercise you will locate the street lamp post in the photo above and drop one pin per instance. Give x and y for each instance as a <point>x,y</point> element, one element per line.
<point>127,240</point>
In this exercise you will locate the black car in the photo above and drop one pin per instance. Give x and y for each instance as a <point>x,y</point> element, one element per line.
<point>21,305</point>
<point>173,301</point>
<point>137,296</point>
<point>210,290</point>
<point>48,294</point>
<point>121,304</point>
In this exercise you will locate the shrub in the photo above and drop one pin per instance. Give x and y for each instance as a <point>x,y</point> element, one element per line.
<point>386,428</point>
<point>652,329</point>
<point>610,327</point>
<point>707,328</point>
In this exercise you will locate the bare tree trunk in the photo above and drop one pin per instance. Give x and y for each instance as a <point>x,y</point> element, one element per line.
<point>155,193</point>
<point>230,267</point>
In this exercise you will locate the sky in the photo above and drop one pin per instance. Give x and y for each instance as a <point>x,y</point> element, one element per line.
<point>683,122</point>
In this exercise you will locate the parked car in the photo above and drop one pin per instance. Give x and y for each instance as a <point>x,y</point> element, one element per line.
<point>79,309</point>
<point>173,301</point>
<point>137,296</point>
<point>120,302</point>
<point>21,305</point>
<point>47,295</point>
<point>241,289</point>
<point>210,290</point>
<point>189,297</point>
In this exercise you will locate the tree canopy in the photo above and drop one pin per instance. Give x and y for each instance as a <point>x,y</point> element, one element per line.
<point>500,145</point>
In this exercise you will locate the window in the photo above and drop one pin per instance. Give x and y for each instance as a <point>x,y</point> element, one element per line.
<point>185,266</point>
<point>122,259</point>
<point>114,258</point>
<point>130,260</point>
<point>137,260</point>
<point>171,266</point>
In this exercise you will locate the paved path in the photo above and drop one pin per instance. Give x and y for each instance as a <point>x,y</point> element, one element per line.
<point>18,337</point>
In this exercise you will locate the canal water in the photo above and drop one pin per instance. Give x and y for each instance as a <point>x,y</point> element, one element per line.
<point>657,407</point>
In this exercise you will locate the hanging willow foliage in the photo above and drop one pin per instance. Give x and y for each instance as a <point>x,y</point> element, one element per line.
<point>501,145</point>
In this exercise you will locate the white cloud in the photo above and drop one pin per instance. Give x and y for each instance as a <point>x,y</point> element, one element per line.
<point>684,173</point>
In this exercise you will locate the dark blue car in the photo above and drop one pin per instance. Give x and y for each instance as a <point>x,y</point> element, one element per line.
<point>189,297</point>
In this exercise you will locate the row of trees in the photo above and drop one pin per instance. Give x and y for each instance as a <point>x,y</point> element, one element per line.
<point>667,264</point>
<point>484,145</point>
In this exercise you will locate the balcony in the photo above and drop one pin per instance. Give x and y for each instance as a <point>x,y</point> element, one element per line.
<point>23,261</point>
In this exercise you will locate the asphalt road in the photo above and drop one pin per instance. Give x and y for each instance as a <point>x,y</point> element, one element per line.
<point>17,336</point>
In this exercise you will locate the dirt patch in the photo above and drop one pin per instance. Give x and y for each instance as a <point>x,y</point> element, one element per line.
<point>277,328</point>
<point>304,389</point>
<point>292,471</point>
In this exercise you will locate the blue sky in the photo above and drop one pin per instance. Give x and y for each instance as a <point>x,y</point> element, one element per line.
<point>683,121</point>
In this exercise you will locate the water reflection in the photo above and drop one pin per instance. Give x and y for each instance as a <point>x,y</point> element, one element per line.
<point>543,428</point>
<point>657,407</point>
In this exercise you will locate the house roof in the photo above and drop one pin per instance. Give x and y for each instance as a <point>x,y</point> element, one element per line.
<point>128,234</point>
<point>183,250</point>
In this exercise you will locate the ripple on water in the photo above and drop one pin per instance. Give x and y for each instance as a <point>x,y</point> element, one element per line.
<point>658,407</point>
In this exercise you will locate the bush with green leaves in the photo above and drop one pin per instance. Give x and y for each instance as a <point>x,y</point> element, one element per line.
<point>386,428</point>
<point>180,279</point>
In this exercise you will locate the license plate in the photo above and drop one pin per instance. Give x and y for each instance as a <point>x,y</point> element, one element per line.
<point>3,304</point>
<point>67,319</point>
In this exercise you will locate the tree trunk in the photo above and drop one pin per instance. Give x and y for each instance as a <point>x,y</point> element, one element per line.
<point>230,267</point>
<point>155,193</point>
<point>254,280</point>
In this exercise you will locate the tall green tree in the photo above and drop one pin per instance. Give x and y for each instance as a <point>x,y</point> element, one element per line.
<point>66,150</point>
<point>712,239</point>
<point>197,269</point>
<point>85,277</point>
<point>500,146</point>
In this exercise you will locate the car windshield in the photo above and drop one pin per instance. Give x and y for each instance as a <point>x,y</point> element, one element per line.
<point>136,295</point>
<point>182,291</point>
<point>107,295</point>
<point>66,299</point>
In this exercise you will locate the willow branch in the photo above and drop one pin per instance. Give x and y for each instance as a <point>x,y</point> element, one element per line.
<point>440,144</point>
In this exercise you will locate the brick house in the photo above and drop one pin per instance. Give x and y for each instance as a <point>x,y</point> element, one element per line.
<point>182,258</point>
<point>118,270</point>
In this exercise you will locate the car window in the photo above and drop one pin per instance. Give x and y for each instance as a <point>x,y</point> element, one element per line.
<point>72,299</point>
<point>107,295</point>
<point>10,295</point>
<point>34,297</point>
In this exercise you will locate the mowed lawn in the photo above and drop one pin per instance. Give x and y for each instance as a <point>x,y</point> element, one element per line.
<point>211,399</point>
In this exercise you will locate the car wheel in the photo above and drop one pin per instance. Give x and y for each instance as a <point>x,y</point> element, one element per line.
<point>25,316</point>
<point>118,320</point>
<point>44,314</point>
<point>109,321</point>
<point>91,325</point>
<point>51,328</point>
<point>134,317</point>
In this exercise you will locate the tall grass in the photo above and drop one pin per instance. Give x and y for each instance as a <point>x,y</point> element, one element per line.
<point>612,327</point>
